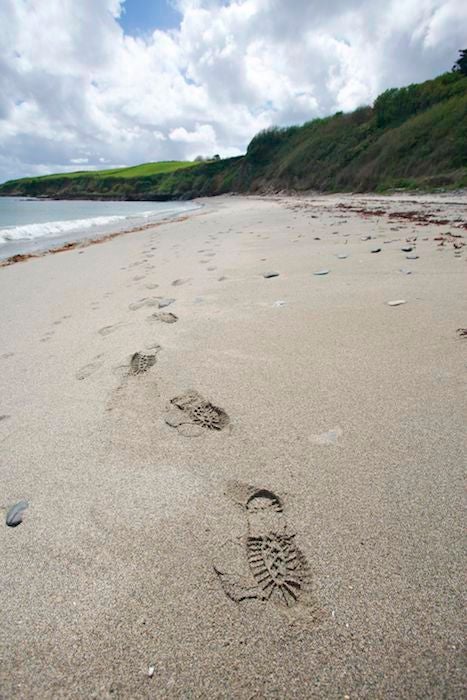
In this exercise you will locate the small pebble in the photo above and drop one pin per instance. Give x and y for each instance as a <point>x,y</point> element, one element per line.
<point>14,516</point>
<point>365,238</point>
<point>151,670</point>
<point>342,256</point>
<point>405,271</point>
<point>375,250</point>
<point>321,272</point>
<point>267,275</point>
<point>411,257</point>
<point>397,302</point>
<point>279,302</point>
<point>407,248</point>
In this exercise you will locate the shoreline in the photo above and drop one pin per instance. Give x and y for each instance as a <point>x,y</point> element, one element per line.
<point>337,436</point>
<point>409,198</point>
<point>61,247</point>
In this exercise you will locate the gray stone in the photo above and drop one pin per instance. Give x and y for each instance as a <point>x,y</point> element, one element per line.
<point>15,515</point>
<point>165,302</point>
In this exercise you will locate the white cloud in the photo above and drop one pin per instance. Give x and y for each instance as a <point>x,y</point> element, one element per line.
<point>202,133</point>
<point>75,89</point>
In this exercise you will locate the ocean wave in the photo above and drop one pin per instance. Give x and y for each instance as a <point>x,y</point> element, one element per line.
<point>51,229</point>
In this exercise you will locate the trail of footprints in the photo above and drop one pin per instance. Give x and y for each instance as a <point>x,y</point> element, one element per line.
<point>272,567</point>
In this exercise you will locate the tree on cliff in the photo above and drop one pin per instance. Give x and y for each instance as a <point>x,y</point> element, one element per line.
<point>460,65</point>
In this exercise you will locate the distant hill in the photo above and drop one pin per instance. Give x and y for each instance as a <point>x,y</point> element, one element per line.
<point>117,182</point>
<point>165,166</point>
<point>412,137</point>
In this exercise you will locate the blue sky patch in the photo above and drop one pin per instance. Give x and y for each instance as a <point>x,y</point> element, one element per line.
<point>140,17</point>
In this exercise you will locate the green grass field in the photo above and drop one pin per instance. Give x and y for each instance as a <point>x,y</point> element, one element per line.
<point>144,170</point>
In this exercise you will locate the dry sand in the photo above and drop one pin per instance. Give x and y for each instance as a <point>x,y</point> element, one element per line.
<point>350,411</point>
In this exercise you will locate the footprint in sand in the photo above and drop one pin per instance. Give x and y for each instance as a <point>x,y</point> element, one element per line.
<point>89,369</point>
<point>141,362</point>
<point>179,282</point>
<point>146,301</point>
<point>191,414</point>
<point>265,564</point>
<point>107,330</point>
<point>164,316</point>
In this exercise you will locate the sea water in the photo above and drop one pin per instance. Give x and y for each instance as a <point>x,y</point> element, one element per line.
<point>33,225</point>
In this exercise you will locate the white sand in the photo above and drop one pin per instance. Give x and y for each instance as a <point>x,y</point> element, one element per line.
<point>351,411</point>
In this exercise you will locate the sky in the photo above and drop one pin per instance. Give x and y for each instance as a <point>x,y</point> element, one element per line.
<point>88,84</point>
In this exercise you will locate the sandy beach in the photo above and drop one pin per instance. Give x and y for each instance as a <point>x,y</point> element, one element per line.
<point>292,530</point>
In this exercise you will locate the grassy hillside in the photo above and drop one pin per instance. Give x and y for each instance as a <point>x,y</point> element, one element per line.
<point>166,166</point>
<point>412,137</point>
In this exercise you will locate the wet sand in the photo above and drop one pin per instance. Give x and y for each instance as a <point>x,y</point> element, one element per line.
<point>305,541</point>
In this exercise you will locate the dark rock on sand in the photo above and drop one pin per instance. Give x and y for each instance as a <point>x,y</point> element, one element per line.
<point>14,516</point>
<point>267,275</point>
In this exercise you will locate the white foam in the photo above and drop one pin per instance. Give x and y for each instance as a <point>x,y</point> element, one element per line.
<point>30,232</point>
